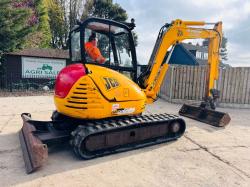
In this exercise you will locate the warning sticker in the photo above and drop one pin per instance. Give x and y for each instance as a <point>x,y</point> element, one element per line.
<point>115,107</point>
<point>124,111</point>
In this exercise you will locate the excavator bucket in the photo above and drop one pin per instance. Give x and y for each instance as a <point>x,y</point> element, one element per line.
<point>35,153</point>
<point>211,117</point>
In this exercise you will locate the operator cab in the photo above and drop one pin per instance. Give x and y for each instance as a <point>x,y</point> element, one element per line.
<point>115,42</point>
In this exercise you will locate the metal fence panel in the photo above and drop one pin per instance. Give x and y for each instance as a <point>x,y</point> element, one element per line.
<point>13,82</point>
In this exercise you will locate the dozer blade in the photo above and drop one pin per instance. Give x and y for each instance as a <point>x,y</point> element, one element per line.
<point>211,117</point>
<point>35,153</point>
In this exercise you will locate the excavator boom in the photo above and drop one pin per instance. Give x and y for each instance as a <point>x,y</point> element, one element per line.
<point>170,35</point>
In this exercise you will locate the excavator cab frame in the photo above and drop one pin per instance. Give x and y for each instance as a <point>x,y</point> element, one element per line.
<point>112,31</point>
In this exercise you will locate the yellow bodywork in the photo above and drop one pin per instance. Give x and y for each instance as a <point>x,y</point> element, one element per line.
<point>100,94</point>
<point>106,93</point>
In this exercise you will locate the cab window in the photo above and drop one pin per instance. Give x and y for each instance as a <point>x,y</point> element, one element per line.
<point>103,44</point>
<point>114,45</point>
<point>123,50</point>
<point>75,46</point>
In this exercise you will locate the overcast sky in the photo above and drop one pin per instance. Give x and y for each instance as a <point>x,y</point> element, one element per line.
<point>150,15</point>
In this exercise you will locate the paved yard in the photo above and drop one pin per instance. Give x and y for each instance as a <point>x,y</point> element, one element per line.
<point>204,156</point>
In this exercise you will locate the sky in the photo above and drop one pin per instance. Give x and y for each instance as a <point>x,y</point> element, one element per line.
<point>150,15</point>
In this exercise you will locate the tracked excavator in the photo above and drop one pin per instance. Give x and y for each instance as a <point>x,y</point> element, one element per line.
<point>99,106</point>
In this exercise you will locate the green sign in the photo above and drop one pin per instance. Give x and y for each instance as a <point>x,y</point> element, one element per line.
<point>41,67</point>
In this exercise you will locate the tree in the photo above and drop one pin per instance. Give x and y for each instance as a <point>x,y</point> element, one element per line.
<point>41,35</point>
<point>43,25</point>
<point>14,26</point>
<point>108,10</point>
<point>104,9</point>
<point>75,6</point>
<point>223,47</point>
<point>38,20</point>
<point>63,15</point>
<point>58,25</point>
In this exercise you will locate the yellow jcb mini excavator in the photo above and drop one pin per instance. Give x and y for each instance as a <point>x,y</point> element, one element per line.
<point>99,106</point>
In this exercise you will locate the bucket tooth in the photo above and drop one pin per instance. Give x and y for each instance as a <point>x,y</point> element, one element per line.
<point>211,117</point>
<point>35,153</point>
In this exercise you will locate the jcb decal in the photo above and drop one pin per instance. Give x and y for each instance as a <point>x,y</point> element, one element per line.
<point>110,83</point>
<point>179,33</point>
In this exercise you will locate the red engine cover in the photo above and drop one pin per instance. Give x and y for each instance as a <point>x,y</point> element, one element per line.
<point>67,78</point>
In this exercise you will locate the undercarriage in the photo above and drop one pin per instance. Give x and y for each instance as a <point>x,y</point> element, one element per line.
<point>90,139</point>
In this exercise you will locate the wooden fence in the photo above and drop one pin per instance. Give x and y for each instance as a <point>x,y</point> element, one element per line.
<point>188,83</point>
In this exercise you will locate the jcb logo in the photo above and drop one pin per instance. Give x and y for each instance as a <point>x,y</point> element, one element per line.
<point>110,83</point>
<point>179,33</point>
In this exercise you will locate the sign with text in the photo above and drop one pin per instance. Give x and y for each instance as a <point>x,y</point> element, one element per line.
<point>41,67</point>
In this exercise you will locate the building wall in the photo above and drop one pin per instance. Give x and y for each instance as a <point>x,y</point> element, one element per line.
<point>13,71</point>
<point>179,56</point>
<point>13,67</point>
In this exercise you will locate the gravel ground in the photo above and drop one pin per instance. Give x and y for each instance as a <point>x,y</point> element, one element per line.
<point>24,93</point>
<point>204,156</point>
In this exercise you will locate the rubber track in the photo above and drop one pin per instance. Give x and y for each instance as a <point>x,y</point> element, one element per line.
<point>120,124</point>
